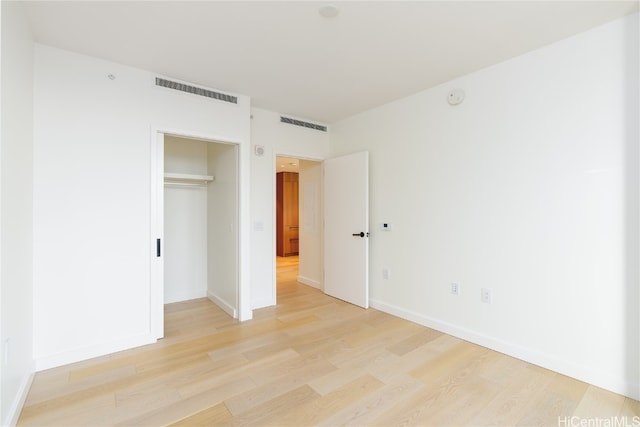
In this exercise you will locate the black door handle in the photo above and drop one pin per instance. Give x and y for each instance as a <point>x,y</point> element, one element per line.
<point>361,234</point>
<point>157,247</point>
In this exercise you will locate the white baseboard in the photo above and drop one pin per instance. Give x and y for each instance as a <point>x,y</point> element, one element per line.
<point>21,397</point>
<point>262,303</point>
<point>228,308</point>
<point>309,282</point>
<point>92,351</point>
<point>587,374</point>
<point>185,296</point>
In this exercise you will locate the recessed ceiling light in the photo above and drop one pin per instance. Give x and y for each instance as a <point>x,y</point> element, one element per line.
<point>328,11</point>
<point>292,164</point>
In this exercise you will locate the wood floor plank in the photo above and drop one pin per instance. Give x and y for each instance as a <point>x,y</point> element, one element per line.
<point>363,411</point>
<point>549,409</point>
<point>415,358</point>
<point>282,384</point>
<point>191,386</point>
<point>190,406</point>
<point>353,370</point>
<point>414,341</point>
<point>512,402</point>
<point>631,410</point>
<point>71,414</point>
<point>207,417</point>
<point>159,395</point>
<point>463,403</point>
<point>267,412</point>
<point>316,410</point>
<point>56,387</point>
<point>599,403</point>
<point>445,375</point>
<point>448,363</point>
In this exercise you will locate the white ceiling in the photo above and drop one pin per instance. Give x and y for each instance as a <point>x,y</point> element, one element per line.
<point>289,59</point>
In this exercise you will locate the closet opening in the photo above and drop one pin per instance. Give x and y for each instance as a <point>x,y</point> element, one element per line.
<point>298,221</point>
<point>197,219</point>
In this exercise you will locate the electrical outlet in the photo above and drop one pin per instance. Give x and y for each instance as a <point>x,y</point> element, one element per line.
<point>386,273</point>
<point>455,289</point>
<point>485,295</point>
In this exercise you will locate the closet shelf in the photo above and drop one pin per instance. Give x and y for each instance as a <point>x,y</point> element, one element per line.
<point>187,178</point>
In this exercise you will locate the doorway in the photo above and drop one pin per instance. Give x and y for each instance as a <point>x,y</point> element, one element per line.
<point>299,243</point>
<point>196,221</point>
<point>334,215</point>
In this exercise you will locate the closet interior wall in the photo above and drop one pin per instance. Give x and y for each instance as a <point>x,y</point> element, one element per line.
<point>200,223</point>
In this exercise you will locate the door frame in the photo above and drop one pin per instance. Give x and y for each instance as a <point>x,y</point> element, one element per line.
<point>156,211</point>
<point>274,171</point>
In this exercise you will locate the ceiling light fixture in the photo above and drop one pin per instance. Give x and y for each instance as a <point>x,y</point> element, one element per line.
<point>328,11</point>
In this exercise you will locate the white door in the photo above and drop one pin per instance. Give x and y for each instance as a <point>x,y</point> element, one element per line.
<point>156,303</point>
<point>346,228</point>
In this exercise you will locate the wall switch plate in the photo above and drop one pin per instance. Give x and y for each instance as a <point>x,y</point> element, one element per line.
<point>455,289</point>
<point>386,226</point>
<point>386,273</point>
<point>485,295</point>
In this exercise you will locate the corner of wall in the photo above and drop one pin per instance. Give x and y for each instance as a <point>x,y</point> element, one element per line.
<point>16,210</point>
<point>224,305</point>
<point>13,414</point>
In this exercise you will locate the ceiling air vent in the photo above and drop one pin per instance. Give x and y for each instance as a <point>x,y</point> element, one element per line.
<point>196,90</point>
<point>303,124</point>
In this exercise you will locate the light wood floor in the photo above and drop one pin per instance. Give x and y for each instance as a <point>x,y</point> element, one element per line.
<point>312,360</point>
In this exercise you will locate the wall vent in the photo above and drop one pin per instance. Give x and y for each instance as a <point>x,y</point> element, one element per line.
<point>196,90</point>
<point>303,124</point>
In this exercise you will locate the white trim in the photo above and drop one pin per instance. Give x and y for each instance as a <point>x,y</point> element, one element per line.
<point>295,156</point>
<point>156,231</point>
<point>226,307</point>
<point>183,133</point>
<point>92,351</point>
<point>243,311</point>
<point>21,397</point>
<point>275,155</point>
<point>581,372</point>
<point>262,303</point>
<point>309,282</point>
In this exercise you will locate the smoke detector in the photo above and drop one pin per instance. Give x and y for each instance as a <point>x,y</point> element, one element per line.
<point>455,96</point>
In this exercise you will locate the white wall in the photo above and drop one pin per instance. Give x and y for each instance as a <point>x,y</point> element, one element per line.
<point>310,221</point>
<point>185,222</point>
<point>16,205</point>
<point>222,226</point>
<point>276,138</point>
<point>529,188</point>
<point>92,152</point>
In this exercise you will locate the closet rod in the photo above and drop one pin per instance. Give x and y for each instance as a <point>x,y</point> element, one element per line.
<point>180,177</point>
<point>187,184</point>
